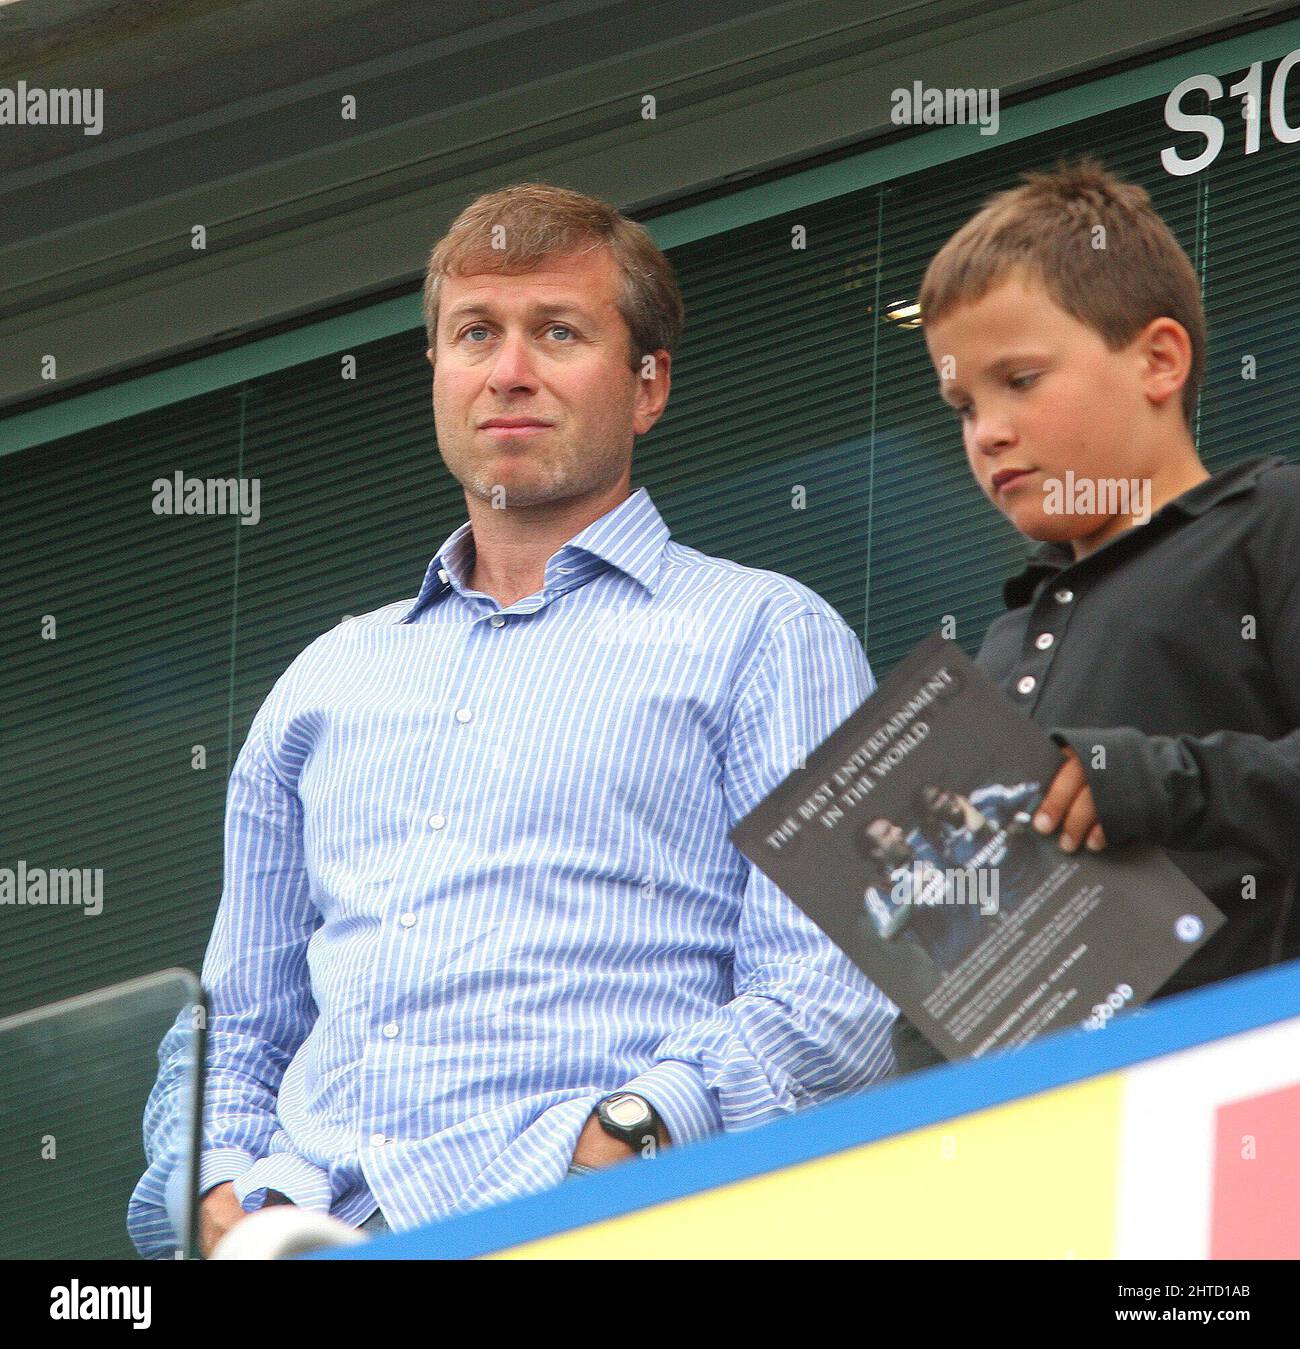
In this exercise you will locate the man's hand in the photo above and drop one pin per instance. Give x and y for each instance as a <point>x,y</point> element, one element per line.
<point>1069,803</point>
<point>600,1149</point>
<point>219,1211</point>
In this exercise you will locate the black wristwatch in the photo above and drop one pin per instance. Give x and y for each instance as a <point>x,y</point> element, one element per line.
<point>631,1118</point>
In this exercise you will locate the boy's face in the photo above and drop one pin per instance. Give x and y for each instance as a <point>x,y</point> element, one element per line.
<point>1039,393</point>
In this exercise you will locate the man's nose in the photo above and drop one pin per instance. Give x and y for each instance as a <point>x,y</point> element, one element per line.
<point>512,367</point>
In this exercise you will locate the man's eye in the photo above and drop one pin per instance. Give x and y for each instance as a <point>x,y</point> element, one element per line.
<point>560,328</point>
<point>1024,381</point>
<point>476,328</point>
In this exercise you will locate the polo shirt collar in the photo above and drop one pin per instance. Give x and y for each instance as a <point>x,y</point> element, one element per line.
<point>1051,557</point>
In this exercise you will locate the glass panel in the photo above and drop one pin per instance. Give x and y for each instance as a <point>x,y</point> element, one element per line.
<point>73,1086</point>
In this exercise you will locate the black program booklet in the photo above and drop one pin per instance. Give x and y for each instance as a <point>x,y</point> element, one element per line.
<point>907,839</point>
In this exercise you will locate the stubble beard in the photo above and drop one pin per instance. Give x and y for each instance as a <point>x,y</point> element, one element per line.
<point>555,478</point>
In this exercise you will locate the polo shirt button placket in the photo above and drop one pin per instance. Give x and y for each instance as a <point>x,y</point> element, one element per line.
<point>1046,616</point>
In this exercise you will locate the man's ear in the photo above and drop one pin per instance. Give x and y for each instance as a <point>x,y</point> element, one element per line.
<point>428,355</point>
<point>653,382</point>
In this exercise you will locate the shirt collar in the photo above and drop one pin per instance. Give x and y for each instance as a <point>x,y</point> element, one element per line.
<point>1052,557</point>
<point>1228,482</point>
<point>631,537</point>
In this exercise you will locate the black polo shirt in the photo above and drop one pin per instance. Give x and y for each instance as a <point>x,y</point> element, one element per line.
<point>1174,648</point>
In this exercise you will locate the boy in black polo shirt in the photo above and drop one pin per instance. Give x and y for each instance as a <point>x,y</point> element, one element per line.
<point>1155,632</point>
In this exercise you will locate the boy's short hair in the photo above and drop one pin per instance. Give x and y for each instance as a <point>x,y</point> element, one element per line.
<point>1116,282</point>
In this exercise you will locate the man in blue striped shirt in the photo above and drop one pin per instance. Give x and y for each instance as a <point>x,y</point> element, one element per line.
<point>477,872</point>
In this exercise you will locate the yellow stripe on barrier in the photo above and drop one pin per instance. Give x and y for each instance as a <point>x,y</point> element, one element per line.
<point>1031,1179</point>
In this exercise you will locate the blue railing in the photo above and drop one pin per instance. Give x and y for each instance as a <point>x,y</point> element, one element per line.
<point>1172,1024</point>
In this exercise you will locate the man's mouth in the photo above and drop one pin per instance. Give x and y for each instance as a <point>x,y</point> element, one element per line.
<point>1007,478</point>
<point>514,428</point>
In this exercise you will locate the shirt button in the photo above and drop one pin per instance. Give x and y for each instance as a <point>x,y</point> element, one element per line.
<point>390,1030</point>
<point>1064,596</point>
<point>407,920</point>
<point>437,821</point>
<point>463,714</point>
<point>1043,640</point>
<point>1026,685</point>
<point>442,575</point>
<point>377,1140</point>
<point>497,621</point>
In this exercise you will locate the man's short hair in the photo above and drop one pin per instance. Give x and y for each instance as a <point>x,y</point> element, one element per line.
<point>534,221</point>
<point>1115,280</point>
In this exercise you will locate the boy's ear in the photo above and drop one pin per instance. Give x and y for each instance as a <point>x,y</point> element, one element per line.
<point>1166,350</point>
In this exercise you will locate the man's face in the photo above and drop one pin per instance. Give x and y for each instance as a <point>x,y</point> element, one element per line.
<point>1039,393</point>
<point>946,805</point>
<point>890,841</point>
<point>547,353</point>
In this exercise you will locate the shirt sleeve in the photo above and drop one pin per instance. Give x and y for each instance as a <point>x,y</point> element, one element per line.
<point>1226,790</point>
<point>805,1025</point>
<point>260,1011</point>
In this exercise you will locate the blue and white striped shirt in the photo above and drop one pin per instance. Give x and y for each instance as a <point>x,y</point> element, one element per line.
<point>477,876</point>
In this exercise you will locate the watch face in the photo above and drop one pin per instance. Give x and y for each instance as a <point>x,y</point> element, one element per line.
<point>626,1111</point>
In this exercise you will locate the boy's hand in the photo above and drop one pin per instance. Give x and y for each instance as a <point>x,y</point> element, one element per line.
<point>1069,803</point>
